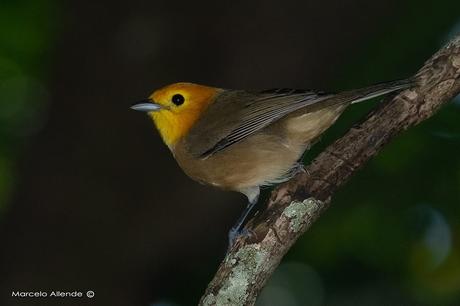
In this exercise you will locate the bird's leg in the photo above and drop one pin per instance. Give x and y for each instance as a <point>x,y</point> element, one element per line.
<point>236,230</point>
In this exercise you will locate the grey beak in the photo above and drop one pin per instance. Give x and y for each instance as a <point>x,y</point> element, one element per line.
<point>146,105</point>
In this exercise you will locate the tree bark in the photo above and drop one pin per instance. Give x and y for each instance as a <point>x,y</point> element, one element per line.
<point>296,204</point>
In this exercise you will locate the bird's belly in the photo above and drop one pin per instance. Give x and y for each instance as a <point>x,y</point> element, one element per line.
<point>260,159</point>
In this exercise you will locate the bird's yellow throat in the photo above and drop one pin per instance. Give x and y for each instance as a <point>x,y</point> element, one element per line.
<point>174,121</point>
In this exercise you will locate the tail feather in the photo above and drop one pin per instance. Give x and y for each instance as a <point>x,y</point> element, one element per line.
<point>377,90</point>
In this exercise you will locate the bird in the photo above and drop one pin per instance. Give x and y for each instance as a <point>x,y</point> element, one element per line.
<point>240,140</point>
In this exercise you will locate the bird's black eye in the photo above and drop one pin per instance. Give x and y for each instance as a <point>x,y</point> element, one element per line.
<point>178,99</point>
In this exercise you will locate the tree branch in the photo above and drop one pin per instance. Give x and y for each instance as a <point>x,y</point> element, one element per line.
<point>295,205</point>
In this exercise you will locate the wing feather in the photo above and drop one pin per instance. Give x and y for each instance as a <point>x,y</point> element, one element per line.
<point>243,114</point>
<point>236,115</point>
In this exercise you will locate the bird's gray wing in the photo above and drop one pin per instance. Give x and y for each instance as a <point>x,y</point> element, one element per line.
<point>237,114</point>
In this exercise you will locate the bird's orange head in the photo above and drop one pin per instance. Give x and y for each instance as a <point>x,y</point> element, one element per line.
<point>176,107</point>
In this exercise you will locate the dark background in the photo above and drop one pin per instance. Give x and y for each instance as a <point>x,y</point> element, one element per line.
<point>90,199</point>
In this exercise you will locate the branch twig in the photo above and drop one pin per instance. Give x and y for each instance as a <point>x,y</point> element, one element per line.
<point>295,205</point>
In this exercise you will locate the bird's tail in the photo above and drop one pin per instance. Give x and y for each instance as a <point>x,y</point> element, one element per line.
<point>379,90</point>
<point>366,93</point>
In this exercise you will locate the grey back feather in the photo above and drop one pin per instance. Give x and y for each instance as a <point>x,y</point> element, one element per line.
<point>238,114</point>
